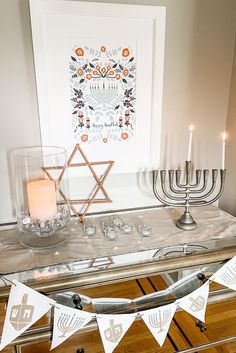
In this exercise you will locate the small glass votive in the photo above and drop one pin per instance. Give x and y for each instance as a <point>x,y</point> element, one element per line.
<point>89,229</point>
<point>145,230</point>
<point>126,228</point>
<point>107,225</point>
<point>117,221</point>
<point>110,233</point>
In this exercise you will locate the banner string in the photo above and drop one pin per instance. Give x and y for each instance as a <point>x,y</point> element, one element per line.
<point>5,280</point>
<point>181,282</point>
<point>193,302</point>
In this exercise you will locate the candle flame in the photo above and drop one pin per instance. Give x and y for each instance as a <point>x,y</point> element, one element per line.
<point>191,127</point>
<point>224,135</point>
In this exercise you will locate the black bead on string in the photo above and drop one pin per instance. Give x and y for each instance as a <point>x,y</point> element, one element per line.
<point>201,326</point>
<point>77,301</point>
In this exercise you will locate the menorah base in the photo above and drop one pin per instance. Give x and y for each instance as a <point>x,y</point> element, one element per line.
<point>186,222</point>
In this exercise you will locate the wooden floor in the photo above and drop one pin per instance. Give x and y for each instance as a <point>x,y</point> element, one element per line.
<point>183,333</point>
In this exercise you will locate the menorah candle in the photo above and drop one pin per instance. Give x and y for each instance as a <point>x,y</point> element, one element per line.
<point>223,150</point>
<point>42,199</point>
<point>190,142</point>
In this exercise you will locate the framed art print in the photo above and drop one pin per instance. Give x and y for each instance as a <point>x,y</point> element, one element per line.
<point>99,74</point>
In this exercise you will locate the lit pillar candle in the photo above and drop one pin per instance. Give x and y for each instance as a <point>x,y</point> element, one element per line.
<point>42,199</point>
<point>223,150</point>
<point>190,142</point>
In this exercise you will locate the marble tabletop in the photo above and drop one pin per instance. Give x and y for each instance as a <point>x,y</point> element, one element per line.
<point>87,251</point>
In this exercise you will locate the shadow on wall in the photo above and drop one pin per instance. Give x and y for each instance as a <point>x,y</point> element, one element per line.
<point>228,200</point>
<point>28,46</point>
<point>211,89</point>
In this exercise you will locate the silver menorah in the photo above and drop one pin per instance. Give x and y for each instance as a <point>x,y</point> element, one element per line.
<point>188,194</point>
<point>68,323</point>
<point>160,320</point>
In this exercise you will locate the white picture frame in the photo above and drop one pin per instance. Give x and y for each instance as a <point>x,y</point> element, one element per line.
<point>57,26</point>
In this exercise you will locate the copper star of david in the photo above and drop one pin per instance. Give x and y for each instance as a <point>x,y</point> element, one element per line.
<point>99,182</point>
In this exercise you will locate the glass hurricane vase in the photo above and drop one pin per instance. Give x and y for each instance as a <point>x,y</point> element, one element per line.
<point>40,188</point>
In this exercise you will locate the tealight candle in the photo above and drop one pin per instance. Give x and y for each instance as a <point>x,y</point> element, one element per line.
<point>117,221</point>
<point>145,230</point>
<point>42,199</point>
<point>107,225</point>
<point>223,150</point>
<point>89,229</point>
<point>110,234</point>
<point>126,228</point>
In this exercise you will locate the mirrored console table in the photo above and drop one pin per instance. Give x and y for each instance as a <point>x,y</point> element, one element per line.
<point>91,261</point>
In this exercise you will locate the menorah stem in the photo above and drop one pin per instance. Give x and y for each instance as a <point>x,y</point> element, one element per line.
<point>186,221</point>
<point>188,171</point>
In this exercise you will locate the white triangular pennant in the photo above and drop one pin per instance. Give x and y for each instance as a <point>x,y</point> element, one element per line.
<point>226,275</point>
<point>112,328</point>
<point>25,307</point>
<point>67,321</point>
<point>158,320</point>
<point>195,303</point>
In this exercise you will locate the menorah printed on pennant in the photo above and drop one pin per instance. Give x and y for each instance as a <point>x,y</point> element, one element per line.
<point>160,320</point>
<point>68,323</point>
<point>229,276</point>
<point>197,303</point>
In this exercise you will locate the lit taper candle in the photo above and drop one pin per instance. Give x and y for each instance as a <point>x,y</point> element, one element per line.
<point>223,149</point>
<point>190,142</point>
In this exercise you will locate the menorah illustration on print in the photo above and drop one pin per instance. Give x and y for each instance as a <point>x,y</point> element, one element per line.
<point>160,319</point>
<point>21,314</point>
<point>229,276</point>
<point>105,93</point>
<point>114,332</point>
<point>197,304</point>
<point>68,323</point>
<point>197,194</point>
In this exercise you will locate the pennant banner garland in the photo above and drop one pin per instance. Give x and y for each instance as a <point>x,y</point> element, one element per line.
<point>195,303</point>
<point>158,320</point>
<point>226,275</point>
<point>112,328</point>
<point>26,306</point>
<point>67,321</point>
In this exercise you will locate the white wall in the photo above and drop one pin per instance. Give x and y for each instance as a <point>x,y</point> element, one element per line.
<point>198,65</point>
<point>19,124</point>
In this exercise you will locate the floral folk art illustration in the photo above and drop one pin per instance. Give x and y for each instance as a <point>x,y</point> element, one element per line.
<point>102,89</point>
